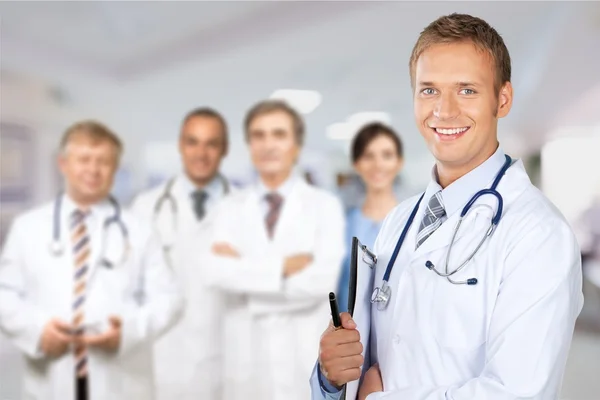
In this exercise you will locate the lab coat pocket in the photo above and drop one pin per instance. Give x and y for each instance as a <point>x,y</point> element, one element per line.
<point>458,312</point>
<point>458,316</point>
<point>107,292</point>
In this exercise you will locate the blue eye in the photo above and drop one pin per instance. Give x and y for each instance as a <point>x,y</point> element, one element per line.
<point>428,91</point>
<point>468,91</point>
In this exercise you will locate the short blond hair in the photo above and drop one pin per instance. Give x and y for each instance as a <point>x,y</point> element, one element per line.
<point>94,131</point>
<point>460,28</point>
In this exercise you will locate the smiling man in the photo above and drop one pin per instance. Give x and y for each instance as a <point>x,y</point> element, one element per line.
<point>181,211</point>
<point>495,319</point>
<point>73,274</point>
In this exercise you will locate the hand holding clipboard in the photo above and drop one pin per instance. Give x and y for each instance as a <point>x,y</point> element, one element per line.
<point>340,355</point>
<point>344,355</point>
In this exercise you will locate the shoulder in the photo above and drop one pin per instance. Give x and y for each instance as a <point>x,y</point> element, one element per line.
<point>321,198</point>
<point>148,197</point>
<point>394,222</point>
<point>532,216</point>
<point>401,211</point>
<point>237,196</point>
<point>232,202</point>
<point>138,228</point>
<point>36,216</point>
<point>33,223</point>
<point>533,232</point>
<point>353,213</point>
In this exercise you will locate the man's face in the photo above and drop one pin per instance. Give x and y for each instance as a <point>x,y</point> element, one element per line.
<point>202,147</point>
<point>455,104</point>
<point>89,168</point>
<point>274,148</point>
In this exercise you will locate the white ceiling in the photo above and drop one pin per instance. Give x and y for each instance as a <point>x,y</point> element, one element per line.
<point>142,65</point>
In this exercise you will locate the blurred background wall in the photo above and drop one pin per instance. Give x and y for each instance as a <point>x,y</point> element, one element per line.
<point>140,66</point>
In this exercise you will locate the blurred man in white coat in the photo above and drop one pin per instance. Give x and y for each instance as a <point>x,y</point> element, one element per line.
<point>278,249</point>
<point>84,290</point>
<point>187,359</point>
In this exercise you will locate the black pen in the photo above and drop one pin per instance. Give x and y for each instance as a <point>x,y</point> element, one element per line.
<point>335,313</point>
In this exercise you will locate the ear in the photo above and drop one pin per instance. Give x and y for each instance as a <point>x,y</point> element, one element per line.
<point>505,98</point>
<point>225,150</point>
<point>180,144</point>
<point>61,161</point>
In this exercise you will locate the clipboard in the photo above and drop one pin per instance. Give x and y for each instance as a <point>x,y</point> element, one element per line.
<point>362,272</point>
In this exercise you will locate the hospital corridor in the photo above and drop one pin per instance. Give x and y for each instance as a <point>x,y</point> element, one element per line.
<point>269,200</point>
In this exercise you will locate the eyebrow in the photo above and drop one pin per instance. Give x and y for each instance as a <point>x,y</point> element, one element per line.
<point>458,84</point>
<point>466,83</point>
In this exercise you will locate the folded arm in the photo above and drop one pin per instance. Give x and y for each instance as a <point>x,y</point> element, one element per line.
<point>269,278</point>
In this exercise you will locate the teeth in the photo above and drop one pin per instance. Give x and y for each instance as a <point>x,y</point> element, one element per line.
<point>454,131</point>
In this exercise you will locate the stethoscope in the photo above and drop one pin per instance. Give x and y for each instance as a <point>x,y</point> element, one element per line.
<point>381,295</point>
<point>57,248</point>
<point>167,197</point>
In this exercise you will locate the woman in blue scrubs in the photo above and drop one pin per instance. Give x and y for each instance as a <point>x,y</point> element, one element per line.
<point>377,157</point>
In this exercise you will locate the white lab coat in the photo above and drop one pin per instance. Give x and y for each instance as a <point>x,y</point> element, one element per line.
<point>273,324</point>
<point>187,359</point>
<point>36,286</point>
<point>507,337</point>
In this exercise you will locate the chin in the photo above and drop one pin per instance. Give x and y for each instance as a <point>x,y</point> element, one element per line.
<point>380,186</point>
<point>445,153</point>
<point>202,177</point>
<point>94,195</point>
<point>270,168</point>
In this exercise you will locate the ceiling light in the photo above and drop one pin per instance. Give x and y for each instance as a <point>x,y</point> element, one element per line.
<point>366,117</point>
<point>305,101</point>
<point>347,130</point>
<point>339,131</point>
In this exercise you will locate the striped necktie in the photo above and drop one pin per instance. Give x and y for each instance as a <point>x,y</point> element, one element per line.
<point>432,219</point>
<point>275,201</point>
<point>81,255</point>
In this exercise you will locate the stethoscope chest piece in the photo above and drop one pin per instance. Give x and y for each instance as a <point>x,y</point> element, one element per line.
<point>56,248</point>
<point>381,296</point>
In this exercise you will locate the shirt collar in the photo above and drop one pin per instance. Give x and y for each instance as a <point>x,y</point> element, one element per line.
<point>97,210</point>
<point>187,185</point>
<point>460,191</point>
<point>283,190</point>
<point>214,188</point>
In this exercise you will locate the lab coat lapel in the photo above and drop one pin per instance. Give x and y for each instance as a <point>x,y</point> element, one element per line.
<point>187,217</point>
<point>290,212</point>
<point>256,217</point>
<point>184,206</point>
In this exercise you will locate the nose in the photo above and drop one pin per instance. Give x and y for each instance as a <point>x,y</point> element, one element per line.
<point>446,107</point>
<point>378,162</point>
<point>269,144</point>
<point>95,167</point>
<point>201,152</point>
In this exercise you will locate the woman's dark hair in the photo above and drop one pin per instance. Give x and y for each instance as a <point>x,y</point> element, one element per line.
<point>368,133</point>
